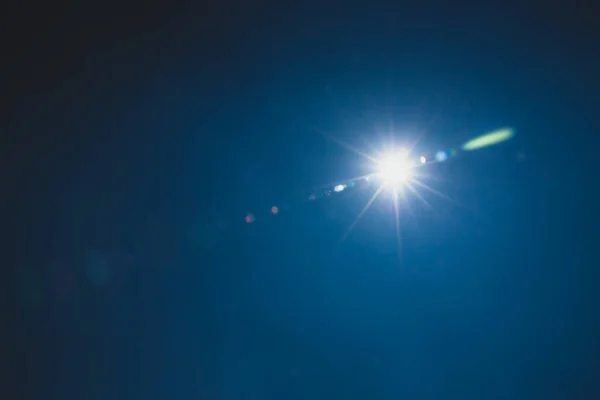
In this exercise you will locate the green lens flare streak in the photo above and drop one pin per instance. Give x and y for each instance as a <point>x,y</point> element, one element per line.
<point>489,139</point>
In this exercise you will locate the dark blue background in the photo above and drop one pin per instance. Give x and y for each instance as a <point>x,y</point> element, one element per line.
<point>140,136</point>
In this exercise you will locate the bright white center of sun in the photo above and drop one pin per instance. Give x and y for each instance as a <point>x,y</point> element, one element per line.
<point>395,168</point>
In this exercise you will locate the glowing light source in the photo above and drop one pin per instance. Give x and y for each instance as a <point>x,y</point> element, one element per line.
<point>395,168</point>
<point>399,174</point>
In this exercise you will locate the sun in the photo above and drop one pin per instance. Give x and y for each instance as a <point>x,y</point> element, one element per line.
<point>395,168</point>
<point>396,171</point>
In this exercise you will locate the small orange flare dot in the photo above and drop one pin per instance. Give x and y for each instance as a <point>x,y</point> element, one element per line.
<point>274,210</point>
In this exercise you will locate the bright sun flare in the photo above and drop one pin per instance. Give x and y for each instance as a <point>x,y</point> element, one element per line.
<point>395,168</point>
<point>396,173</point>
